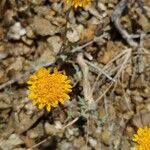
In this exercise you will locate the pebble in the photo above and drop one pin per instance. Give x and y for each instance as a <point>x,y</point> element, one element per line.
<point>105,137</point>
<point>79,142</point>
<point>43,27</point>
<point>50,129</point>
<point>2,76</point>
<point>67,146</point>
<point>92,142</point>
<point>85,147</point>
<point>32,134</point>
<point>55,43</point>
<point>73,35</point>
<point>16,31</point>
<point>58,125</point>
<point>138,99</point>
<point>27,41</point>
<point>30,33</point>
<point>3,55</point>
<point>17,64</point>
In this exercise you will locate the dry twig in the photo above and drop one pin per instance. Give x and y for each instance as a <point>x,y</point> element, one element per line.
<point>86,84</point>
<point>126,55</point>
<point>116,20</point>
<point>101,71</point>
<point>79,48</point>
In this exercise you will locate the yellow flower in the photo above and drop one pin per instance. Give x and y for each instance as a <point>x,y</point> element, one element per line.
<point>79,3</point>
<point>142,138</point>
<point>47,90</point>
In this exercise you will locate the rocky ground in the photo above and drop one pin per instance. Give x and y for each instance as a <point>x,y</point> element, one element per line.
<point>108,40</point>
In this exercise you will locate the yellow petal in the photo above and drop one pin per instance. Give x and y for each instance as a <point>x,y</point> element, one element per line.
<point>48,107</point>
<point>61,101</point>
<point>40,106</point>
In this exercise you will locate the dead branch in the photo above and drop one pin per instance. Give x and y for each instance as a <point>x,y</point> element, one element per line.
<point>101,71</point>
<point>79,48</point>
<point>116,20</point>
<point>125,59</point>
<point>86,84</point>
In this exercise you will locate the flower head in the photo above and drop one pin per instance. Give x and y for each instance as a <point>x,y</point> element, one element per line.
<point>47,90</point>
<point>79,3</point>
<point>142,138</point>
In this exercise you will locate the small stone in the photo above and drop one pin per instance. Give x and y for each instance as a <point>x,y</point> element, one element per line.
<point>141,119</point>
<point>92,142</point>
<point>102,6</point>
<point>9,17</point>
<point>110,51</point>
<point>130,131</point>
<point>105,137</point>
<point>79,142</point>
<point>148,107</point>
<point>41,10</point>
<point>46,58</point>
<point>85,147</point>
<point>16,31</point>
<point>57,7</point>
<point>32,134</point>
<point>70,132</point>
<point>110,5</point>
<point>116,142</point>
<point>30,33</point>
<point>125,144</point>
<point>88,33</point>
<point>58,125</point>
<point>76,132</point>
<point>144,22</point>
<point>112,112</point>
<point>27,41</point>
<point>3,55</point>
<point>50,129</point>
<point>43,27</point>
<point>58,21</point>
<point>36,2</point>
<point>2,76</point>
<point>55,43</point>
<point>67,146</point>
<point>138,99</point>
<point>17,65</point>
<point>73,35</point>
<point>146,42</point>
